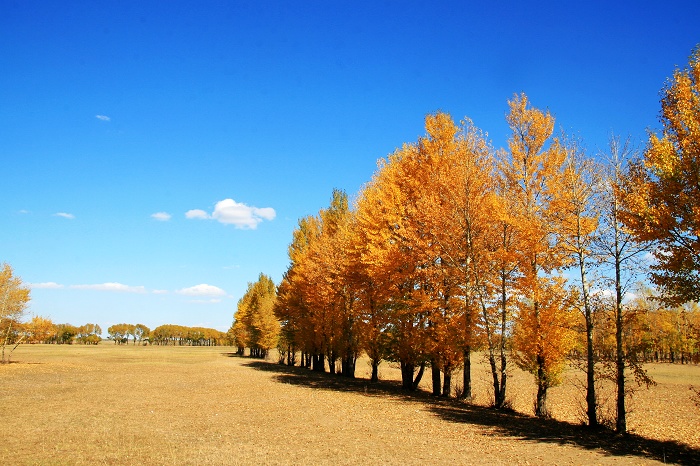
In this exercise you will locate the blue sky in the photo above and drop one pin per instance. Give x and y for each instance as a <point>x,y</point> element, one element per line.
<point>156,156</point>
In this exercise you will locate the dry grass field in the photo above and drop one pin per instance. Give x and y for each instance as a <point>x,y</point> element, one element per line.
<point>201,406</point>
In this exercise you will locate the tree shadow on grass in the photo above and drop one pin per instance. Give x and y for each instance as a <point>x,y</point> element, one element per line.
<point>495,422</point>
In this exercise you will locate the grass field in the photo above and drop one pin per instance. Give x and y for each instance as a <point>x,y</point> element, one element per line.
<point>111,404</point>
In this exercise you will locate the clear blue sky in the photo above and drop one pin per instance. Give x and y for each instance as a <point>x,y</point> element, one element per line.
<point>156,156</point>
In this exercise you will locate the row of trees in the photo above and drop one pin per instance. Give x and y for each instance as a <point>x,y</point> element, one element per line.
<point>529,253</point>
<point>178,335</point>
<point>120,333</point>
<point>42,330</point>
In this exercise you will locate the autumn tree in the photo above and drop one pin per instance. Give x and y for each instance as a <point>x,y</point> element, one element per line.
<point>399,257</point>
<point>457,205</point>
<point>120,333</point>
<point>316,300</point>
<point>533,174</point>
<point>291,307</point>
<point>622,256</point>
<point>255,325</point>
<point>13,303</point>
<point>89,334</point>
<point>662,203</point>
<point>40,329</point>
<point>577,208</point>
<point>140,333</point>
<point>65,333</point>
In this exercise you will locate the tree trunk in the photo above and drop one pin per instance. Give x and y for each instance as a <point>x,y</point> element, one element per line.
<point>348,367</point>
<point>407,370</point>
<point>447,385</point>
<point>375,371</point>
<point>435,369</point>
<point>467,373</point>
<point>318,363</point>
<point>418,378</point>
<point>621,422</point>
<point>542,386</point>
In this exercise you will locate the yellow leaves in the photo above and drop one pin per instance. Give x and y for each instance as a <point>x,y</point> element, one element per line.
<point>544,332</point>
<point>661,199</point>
<point>13,296</point>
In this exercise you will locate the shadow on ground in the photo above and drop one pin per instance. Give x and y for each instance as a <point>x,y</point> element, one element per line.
<point>494,422</point>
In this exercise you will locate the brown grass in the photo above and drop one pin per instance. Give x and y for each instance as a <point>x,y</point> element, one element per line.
<point>184,405</point>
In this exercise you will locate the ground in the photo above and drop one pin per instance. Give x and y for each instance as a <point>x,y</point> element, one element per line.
<point>110,404</point>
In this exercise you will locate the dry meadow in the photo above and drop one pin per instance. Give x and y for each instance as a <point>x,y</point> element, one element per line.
<point>111,404</point>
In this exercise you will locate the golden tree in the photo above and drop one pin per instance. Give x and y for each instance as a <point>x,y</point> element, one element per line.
<point>255,325</point>
<point>40,329</point>
<point>397,255</point>
<point>13,303</point>
<point>457,203</point>
<point>577,204</point>
<point>662,203</point>
<point>532,174</point>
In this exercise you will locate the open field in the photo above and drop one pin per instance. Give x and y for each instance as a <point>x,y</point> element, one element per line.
<point>111,404</point>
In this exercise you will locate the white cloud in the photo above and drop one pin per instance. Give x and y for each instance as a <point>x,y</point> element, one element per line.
<point>24,211</point>
<point>103,117</point>
<point>159,291</point>
<point>197,213</point>
<point>230,212</point>
<point>64,215</point>
<point>119,287</point>
<point>202,290</point>
<point>161,216</point>
<point>45,285</point>
<point>206,301</point>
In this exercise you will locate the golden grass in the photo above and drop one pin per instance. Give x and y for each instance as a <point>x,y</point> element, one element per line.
<point>111,404</point>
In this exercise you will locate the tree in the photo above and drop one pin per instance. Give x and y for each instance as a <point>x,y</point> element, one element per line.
<point>533,173</point>
<point>119,333</point>
<point>141,332</point>
<point>40,329</point>
<point>622,256</point>
<point>89,334</point>
<point>457,204</point>
<point>65,333</point>
<point>255,325</point>
<point>662,202</point>
<point>13,303</point>
<point>577,200</point>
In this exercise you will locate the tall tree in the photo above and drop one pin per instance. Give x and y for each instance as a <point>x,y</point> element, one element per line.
<point>577,203</point>
<point>533,174</point>
<point>397,258</point>
<point>662,204</point>
<point>13,303</point>
<point>256,319</point>
<point>457,204</point>
<point>622,256</point>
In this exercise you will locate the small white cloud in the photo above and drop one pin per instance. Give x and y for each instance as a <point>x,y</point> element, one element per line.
<point>103,118</point>
<point>161,216</point>
<point>196,214</point>
<point>202,290</point>
<point>45,285</point>
<point>24,212</point>
<point>64,215</point>
<point>230,212</point>
<point>159,291</point>
<point>234,213</point>
<point>206,301</point>
<point>119,287</point>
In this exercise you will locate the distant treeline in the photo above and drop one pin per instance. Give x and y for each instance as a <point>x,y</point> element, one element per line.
<point>43,330</point>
